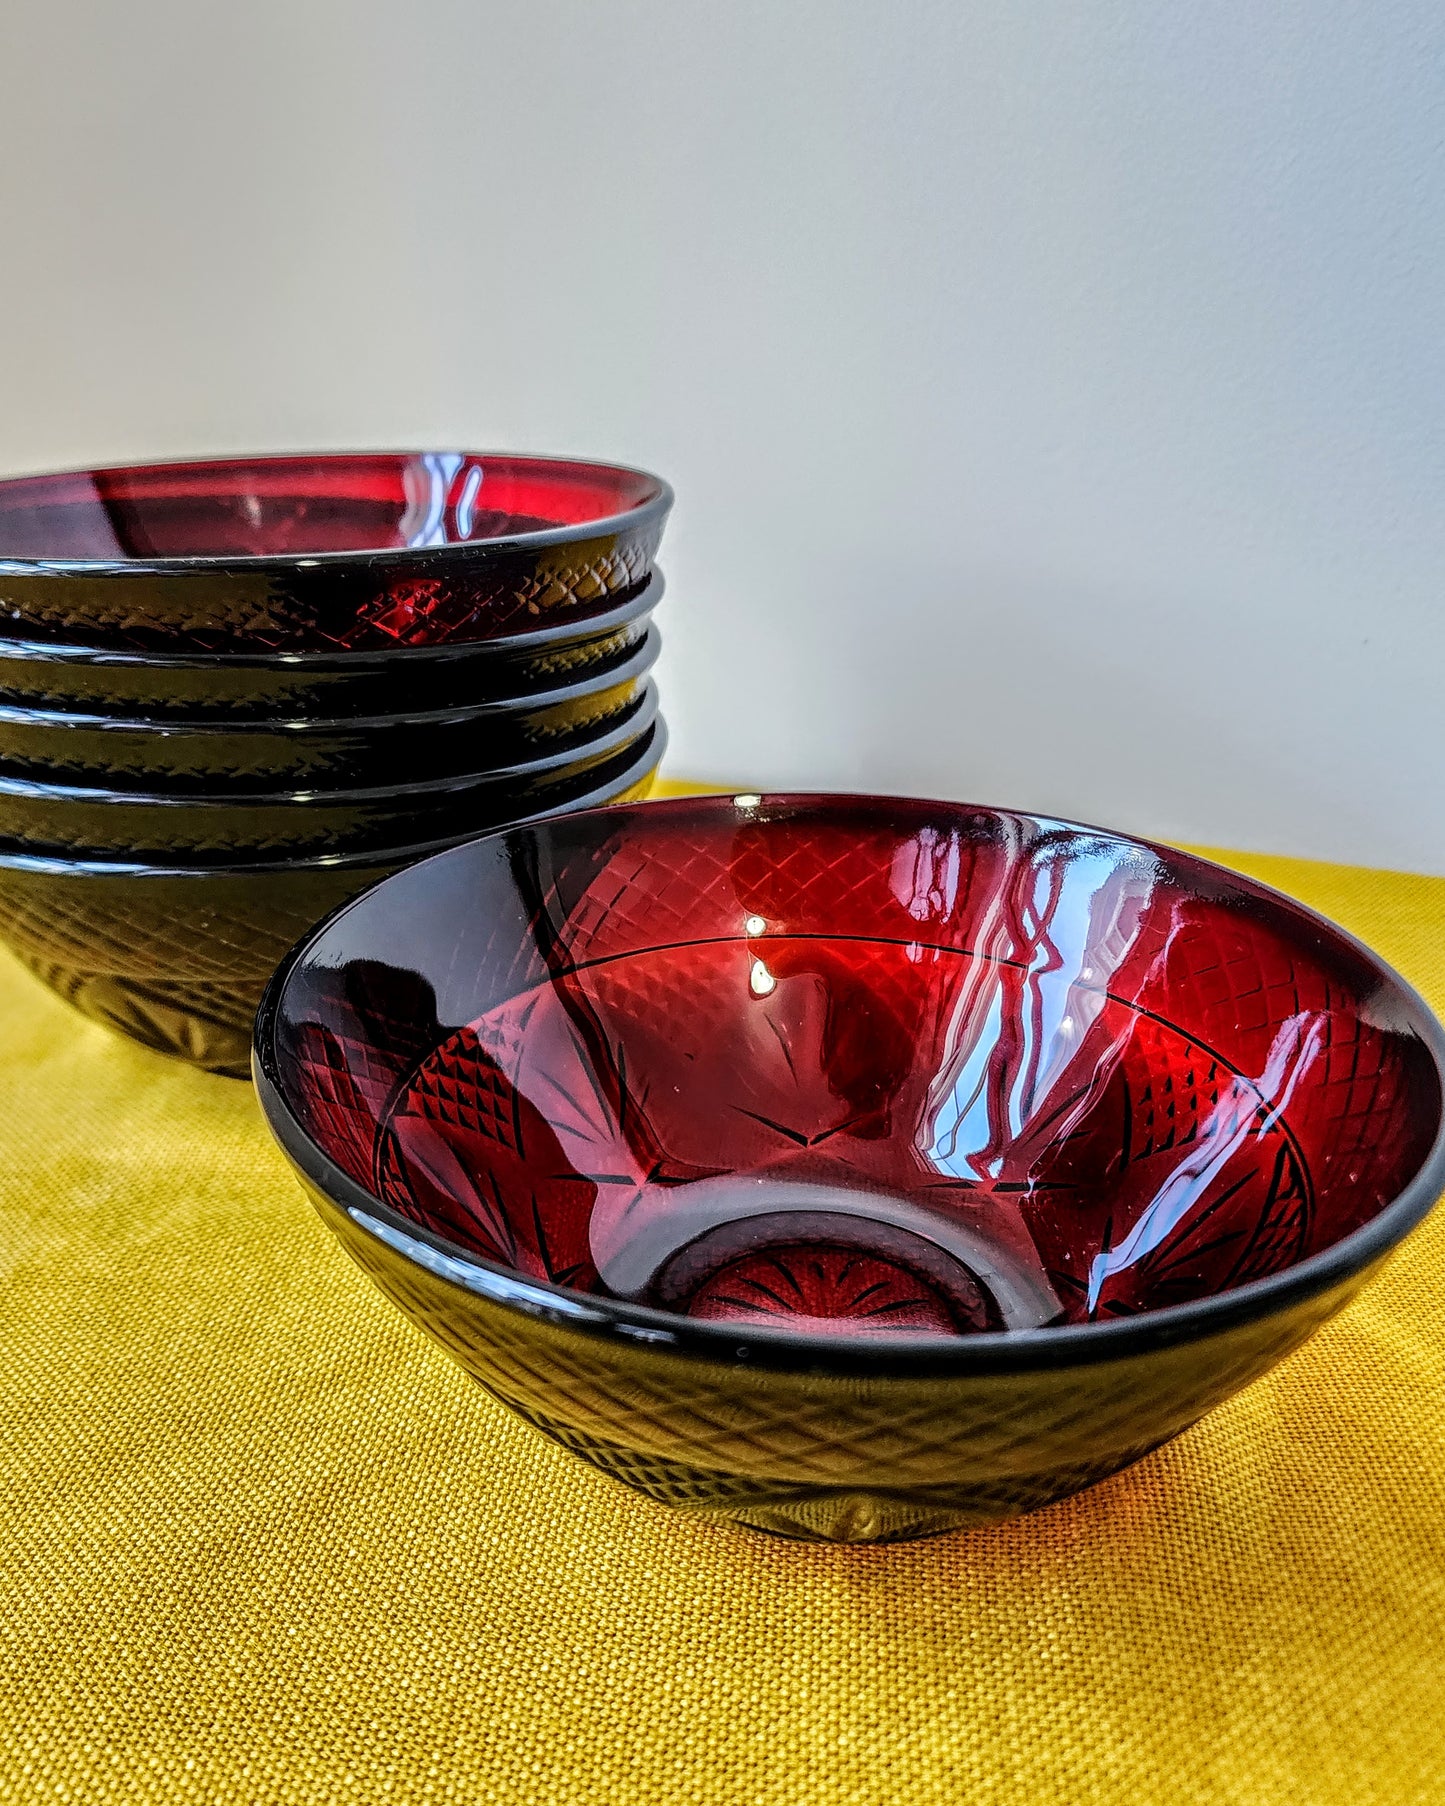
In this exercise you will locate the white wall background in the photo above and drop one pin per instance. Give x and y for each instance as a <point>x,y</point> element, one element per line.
<point>1055,393</point>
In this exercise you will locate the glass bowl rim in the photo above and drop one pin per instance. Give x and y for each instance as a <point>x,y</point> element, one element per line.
<point>655,506</point>
<point>893,1353</point>
<point>642,655</point>
<point>577,631</point>
<point>14,858</point>
<point>612,739</point>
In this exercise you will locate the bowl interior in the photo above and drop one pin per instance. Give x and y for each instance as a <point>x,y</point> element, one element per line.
<point>306,506</point>
<point>856,1066</point>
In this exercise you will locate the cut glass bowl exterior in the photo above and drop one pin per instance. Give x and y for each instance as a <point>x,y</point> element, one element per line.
<point>336,551</point>
<point>210,756</point>
<point>302,823</point>
<point>229,685</point>
<point>177,956</point>
<point>854,1168</point>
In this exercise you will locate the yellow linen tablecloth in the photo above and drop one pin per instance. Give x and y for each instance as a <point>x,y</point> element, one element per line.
<point>259,1541</point>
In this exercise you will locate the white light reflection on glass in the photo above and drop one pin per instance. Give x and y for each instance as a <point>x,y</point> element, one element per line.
<point>467,501</point>
<point>1016,1048</point>
<point>925,874</point>
<point>428,481</point>
<point>760,981</point>
<point>1235,1121</point>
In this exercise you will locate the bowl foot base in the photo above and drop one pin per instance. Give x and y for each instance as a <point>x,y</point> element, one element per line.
<point>178,1025</point>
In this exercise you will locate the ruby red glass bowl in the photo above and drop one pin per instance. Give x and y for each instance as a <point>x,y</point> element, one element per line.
<point>271,686</point>
<point>209,823</point>
<point>176,953</point>
<point>214,756</point>
<point>952,1105</point>
<point>337,550</point>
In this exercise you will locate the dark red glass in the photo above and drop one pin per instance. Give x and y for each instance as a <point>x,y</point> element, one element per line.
<point>213,757</point>
<point>295,822</point>
<point>856,1067</point>
<point>305,506</point>
<point>176,955</point>
<point>338,550</point>
<point>291,686</point>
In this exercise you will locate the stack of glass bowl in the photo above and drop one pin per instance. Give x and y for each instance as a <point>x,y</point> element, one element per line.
<point>235,693</point>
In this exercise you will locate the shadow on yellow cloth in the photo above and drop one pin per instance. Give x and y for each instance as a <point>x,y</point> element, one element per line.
<point>261,1542</point>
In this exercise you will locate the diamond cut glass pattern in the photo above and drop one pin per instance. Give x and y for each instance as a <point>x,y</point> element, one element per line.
<point>851,1071</point>
<point>339,551</point>
<point>177,956</point>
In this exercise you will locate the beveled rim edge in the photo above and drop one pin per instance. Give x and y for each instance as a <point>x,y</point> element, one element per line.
<point>579,629</point>
<point>641,655</point>
<point>652,744</point>
<point>614,735</point>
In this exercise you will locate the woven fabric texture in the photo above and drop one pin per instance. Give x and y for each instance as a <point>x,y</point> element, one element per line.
<point>259,1541</point>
